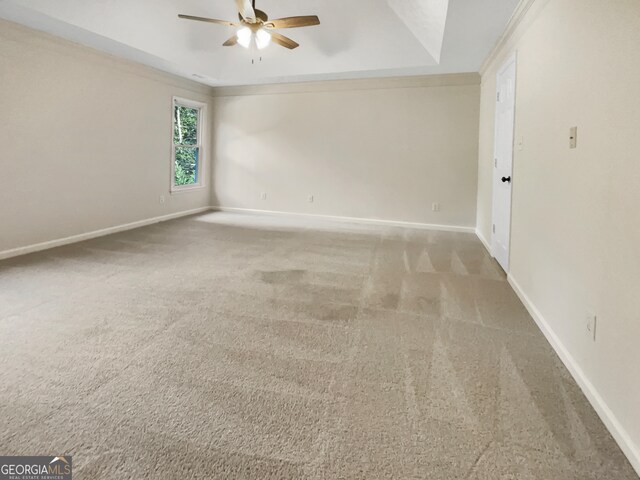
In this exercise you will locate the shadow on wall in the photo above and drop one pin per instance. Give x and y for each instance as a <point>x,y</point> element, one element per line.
<point>339,37</point>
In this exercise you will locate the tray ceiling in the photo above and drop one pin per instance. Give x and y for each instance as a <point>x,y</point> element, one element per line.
<point>357,38</point>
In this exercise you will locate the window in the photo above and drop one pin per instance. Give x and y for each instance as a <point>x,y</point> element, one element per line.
<point>186,161</point>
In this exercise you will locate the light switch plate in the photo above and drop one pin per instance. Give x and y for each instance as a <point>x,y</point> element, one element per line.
<point>592,324</point>
<point>573,137</point>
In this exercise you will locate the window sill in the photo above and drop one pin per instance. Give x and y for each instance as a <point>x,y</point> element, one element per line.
<point>191,188</point>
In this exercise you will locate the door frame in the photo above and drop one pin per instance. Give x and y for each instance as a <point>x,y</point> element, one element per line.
<point>512,59</point>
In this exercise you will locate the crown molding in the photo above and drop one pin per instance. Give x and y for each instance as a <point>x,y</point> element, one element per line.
<point>516,20</point>
<point>458,79</point>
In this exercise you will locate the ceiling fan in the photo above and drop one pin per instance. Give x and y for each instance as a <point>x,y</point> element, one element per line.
<point>255,27</point>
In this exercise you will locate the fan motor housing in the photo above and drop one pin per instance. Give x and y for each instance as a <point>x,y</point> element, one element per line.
<point>261,16</point>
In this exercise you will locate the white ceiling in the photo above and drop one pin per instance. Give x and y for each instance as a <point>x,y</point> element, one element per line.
<point>356,39</point>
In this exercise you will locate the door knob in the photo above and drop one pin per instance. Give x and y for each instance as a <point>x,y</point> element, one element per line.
<point>506,179</point>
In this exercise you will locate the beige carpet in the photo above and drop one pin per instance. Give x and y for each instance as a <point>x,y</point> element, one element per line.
<point>228,346</point>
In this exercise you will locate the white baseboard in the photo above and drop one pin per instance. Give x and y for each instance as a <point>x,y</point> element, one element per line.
<point>365,221</point>
<point>130,226</point>
<point>629,448</point>
<point>484,241</point>
<point>96,233</point>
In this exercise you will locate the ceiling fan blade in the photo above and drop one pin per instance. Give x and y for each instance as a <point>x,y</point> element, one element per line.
<point>231,42</point>
<point>282,40</point>
<point>246,11</point>
<point>293,22</point>
<point>208,20</point>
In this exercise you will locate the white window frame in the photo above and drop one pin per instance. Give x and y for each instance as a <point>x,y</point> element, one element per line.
<point>201,144</point>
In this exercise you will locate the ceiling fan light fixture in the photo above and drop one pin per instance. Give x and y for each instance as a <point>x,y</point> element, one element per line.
<point>263,39</point>
<point>256,31</point>
<point>244,37</point>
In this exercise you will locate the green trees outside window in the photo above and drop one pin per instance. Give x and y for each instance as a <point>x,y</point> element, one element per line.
<point>186,144</point>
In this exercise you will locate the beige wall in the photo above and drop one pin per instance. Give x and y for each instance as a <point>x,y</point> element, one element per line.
<point>575,244</point>
<point>367,149</point>
<point>84,140</point>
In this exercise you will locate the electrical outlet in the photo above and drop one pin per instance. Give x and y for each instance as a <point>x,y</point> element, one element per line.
<point>263,195</point>
<point>592,324</point>
<point>435,207</point>
<point>162,199</point>
<point>310,199</point>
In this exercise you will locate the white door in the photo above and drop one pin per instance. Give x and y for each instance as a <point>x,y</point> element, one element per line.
<point>503,162</point>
